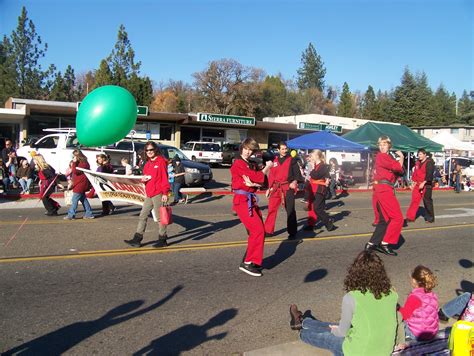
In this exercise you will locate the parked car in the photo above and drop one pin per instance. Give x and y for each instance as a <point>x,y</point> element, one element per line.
<point>230,151</point>
<point>196,174</point>
<point>209,152</point>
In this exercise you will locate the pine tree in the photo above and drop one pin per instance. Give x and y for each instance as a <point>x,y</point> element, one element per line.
<point>404,96</point>
<point>120,68</point>
<point>346,106</point>
<point>369,105</point>
<point>444,107</point>
<point>27,51</point>
<point>423,112</point>
<point>466,109</point>
<point>8,87</point>
<point>312,71</point>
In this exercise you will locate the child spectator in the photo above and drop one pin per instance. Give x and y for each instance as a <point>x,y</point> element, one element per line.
<point>462,305</point>
<point>104,166</point>
<point>178,180</point>
<point>420,312</point>
<point>127,165</point>
<point>25,176</point>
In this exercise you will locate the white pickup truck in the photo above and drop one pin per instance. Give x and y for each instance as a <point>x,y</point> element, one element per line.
<point>208,152</point>
<point>57,148</point>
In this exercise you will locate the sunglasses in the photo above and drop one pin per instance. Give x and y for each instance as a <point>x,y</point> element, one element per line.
<point>150,150</point>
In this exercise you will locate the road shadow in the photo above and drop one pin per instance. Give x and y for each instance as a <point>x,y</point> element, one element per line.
<point>466,286</point>
<point>401,242</point>
<point>334,204</point>
<point>465,263</point>
<point>285,250</point>
<point>61,340</point>
<point>187,337</point>
<point>316,275</point>
<point>203,198</point>
<point>341,215</point>
<point>205,231</point>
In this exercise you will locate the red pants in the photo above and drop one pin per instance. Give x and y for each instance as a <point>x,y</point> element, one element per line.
<point>274,203</point>
<point>416,196</point>
<point>392,213</point>
<point>312,217</point>
<point>256,230</point>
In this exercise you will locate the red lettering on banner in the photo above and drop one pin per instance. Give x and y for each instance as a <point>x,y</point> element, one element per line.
<point>128,188</point>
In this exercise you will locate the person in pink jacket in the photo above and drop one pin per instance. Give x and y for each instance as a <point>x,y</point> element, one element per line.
<point>157,187</point>
<point>420,312</point>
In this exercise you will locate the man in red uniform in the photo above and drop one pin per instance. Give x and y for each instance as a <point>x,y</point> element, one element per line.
<point>390,221</point>
<point>282,186</point>
<point>157,187</point>
<point>246,178</point>
<point>422,187</point>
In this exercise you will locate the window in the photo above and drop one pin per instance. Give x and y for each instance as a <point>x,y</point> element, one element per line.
<point>166,132</point>
<point>72,141</point>
<point>188,146</point>
<point>48,142</point>
<point>171,152</point>
<point>198,147</point>
<point>455,131</point>
<point>214,147</point>
<point>190,134</point>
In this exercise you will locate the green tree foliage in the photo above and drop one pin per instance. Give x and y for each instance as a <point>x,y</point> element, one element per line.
<point>64,87</point>
<point>120,68</point>
<point>444,107</point>
<point>369,107</point>
<point>346,107</point>
<point>27,50</point>
<point>466,109</point>
<point>312,71</point>
<point>8,85</point>
<point>273,98</point>
<point>404,97</point>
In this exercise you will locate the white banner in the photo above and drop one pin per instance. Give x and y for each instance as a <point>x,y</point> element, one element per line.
<point>116,187</point>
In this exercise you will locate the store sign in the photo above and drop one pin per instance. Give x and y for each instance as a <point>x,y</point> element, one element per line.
<point>226,119</point>
<point>319,127</point>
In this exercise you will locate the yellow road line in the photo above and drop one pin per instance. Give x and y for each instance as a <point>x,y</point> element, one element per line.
<point>95,221</point>
<point>198,247</point>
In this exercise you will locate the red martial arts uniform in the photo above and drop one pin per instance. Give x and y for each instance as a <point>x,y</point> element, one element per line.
<point>386,169</point>
<point>312,217</point>
<point>421,174</point>
<point>281,194</point>
<point>245,205</point>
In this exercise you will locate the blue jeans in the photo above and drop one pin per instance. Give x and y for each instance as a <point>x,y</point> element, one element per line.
<point>25,183</point>
<point>176,192</point>
<point>457,187</point>
<point>317,333</point>
<point>457,305</point>
<point>76,198</point>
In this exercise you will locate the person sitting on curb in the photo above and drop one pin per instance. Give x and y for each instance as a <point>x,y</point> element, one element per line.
<point>368,322</point>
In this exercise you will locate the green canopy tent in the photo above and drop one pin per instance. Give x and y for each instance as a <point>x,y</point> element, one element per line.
<point>403,138</point>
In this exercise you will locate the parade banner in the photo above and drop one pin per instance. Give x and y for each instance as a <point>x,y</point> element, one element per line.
<point>116,187</point>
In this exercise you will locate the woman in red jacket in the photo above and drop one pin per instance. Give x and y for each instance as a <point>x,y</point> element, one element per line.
<point>246,178</point>
<point>80,185</point>
<point>390,221</point>
<point>157,187</point>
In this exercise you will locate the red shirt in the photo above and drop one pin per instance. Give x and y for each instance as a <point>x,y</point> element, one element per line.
<point>386,167</point>
<point>241,168</point>
<point>412,303</point>
<point>157,168</point>
<point>80,183</point>
<point>279,172</point>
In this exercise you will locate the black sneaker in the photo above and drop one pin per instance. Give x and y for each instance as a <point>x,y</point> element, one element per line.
<point>135,241</point>
<point>386,249</point>
<point>292,237</point>
<point>442,316</point>
<point>369,247</point>
<point>250,269</point>
<point>330,226</point>
<point>160,243</point>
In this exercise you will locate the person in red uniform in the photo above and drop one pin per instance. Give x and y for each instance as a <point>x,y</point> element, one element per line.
<point>282,186</point>
<point>319,179</point>
<point>246,179</point>
<point>157,187</point>
<point>390,221</point>
<point>422,188</point>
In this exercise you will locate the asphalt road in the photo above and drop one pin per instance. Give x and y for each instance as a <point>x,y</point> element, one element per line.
<point>74,287</point>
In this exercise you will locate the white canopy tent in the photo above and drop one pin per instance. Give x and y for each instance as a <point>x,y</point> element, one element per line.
<point>451,143</point>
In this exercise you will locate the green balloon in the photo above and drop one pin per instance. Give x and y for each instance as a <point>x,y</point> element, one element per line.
<point>106,115</point>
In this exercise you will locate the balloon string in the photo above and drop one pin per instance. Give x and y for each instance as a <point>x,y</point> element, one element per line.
<point>16,233</point>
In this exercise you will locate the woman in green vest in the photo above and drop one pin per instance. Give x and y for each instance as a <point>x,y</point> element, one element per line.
<point>368,322</point>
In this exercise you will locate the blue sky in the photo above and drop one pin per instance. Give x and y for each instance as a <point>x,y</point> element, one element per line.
<point>363,42</point>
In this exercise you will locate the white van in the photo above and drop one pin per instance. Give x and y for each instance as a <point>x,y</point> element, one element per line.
<point>208,152</point>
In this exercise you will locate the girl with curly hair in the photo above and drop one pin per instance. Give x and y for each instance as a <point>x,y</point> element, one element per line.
<point>420,312</point>
<point>368,322</point>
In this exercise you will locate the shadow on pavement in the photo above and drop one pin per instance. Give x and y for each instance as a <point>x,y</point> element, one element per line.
<point>285,250</point>
<point>316,275</point>
<point>465,263</point>
<point>188,337</point>
<point>61,340</point>
<point>204,198</point>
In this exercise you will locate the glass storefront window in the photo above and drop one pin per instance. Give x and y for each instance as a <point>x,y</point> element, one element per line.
<point>166,132</point>
<point>190,134</point>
